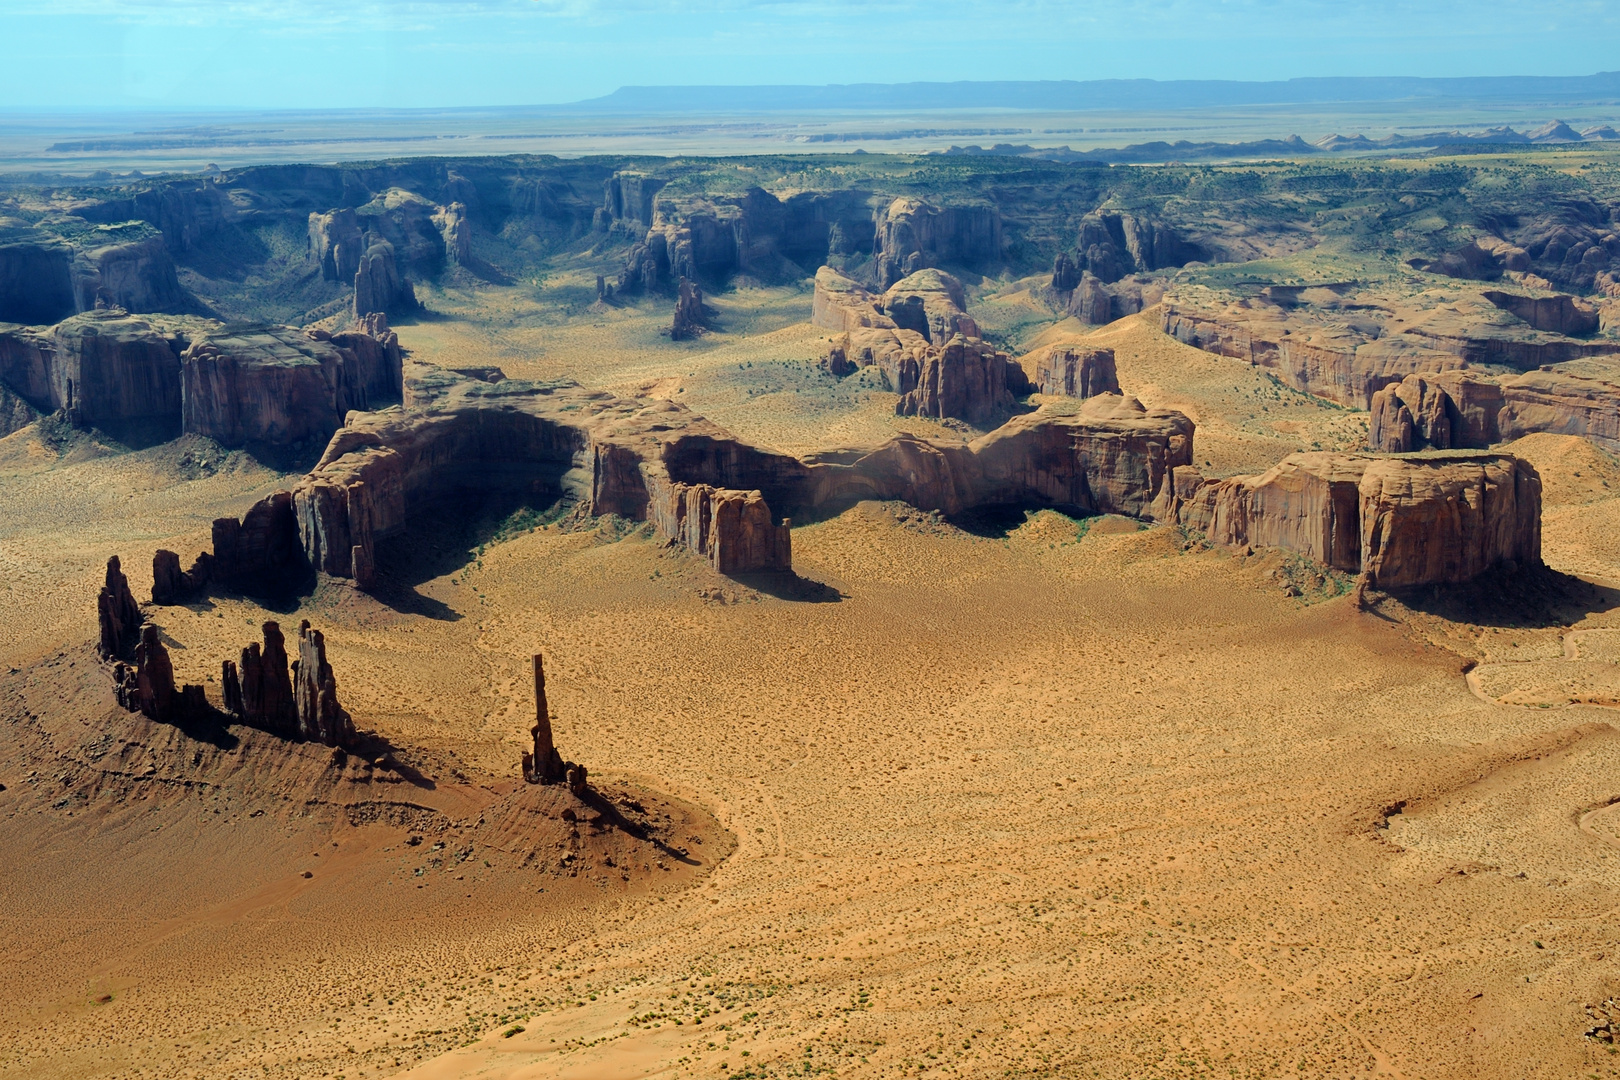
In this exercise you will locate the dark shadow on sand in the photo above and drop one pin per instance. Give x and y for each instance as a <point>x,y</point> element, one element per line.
<point>787,585</point>
<point>1535,597</point>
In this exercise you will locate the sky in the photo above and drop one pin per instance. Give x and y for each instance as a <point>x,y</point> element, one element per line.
<point>272,54</point>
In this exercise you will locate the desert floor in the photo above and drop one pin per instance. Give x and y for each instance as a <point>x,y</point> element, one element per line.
<point>1025,796</point>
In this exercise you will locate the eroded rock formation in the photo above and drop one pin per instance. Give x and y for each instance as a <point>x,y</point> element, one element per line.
<point>262,687</point>
<point>966,379</point>
<point>689,318</point>
<point>733,529</point>
<point>275,385</point>
<point>913,235</point>
<point>1401,521</point>
<point>172,585</point>
<point>1335,344</point>
<point>320,717</point>
<point>1080,371</point>
<point>379,286</point>
<point>335,242</point>
<point>117,615</point>
<point>544,765</point>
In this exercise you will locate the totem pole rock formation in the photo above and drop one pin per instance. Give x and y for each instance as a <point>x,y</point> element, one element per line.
<point>261,692</point>
<point>118,614</point>
<point>688,311</point>
<point>320,717</point>
<point>545,765</point>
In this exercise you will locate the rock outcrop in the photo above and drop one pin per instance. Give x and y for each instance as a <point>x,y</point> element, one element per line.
<point>1401,521</point>
<point>931,303</point>
<point>320,717</point>
<point>36,278</point>
<point>1079,371</point>
<point>689,319</point>
<point>336,244</point>
<point>172,585</point>
<point>913,235</point>
<point>456,229</point>
<point>136,275</point>
<point>118,616</point>
<point>273,384</point>
<point>966,379</point>
<point>1341,347</point>
<point>1112,244</point>
<point>155,694</point>
<point>261,690</point>
<point>1554,314</point>
<point>378,284</point>
<point>841,303</point>
<point>733,529</point>
<point>260,554</point>
<point>112,370</point>
<point>544,765</point>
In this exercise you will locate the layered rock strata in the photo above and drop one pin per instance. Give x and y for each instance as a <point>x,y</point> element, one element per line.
<point>1464,409</point>
<point>913,235</point>
<point>279,385</point>
<point>929,303</point>
<point>158,376</point>
<point>1079,371</point>
<point>963,378</point>
<point>1401,521</point>
<point>1342,350</point>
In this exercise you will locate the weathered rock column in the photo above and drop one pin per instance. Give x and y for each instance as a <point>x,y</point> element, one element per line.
<point>544,765</point>
<point>118,614</point>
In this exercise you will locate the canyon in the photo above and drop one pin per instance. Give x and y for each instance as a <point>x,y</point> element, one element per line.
<point>860,615</point>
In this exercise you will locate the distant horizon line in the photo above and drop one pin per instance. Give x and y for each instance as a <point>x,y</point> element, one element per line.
<point>1059,95</point>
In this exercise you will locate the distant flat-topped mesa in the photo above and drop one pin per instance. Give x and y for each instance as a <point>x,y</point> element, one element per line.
<point>1345,344</point>
<point>173,374</point>
<point>1405,520</point>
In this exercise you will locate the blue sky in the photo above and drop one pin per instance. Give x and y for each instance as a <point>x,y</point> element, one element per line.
<point>437,53</point>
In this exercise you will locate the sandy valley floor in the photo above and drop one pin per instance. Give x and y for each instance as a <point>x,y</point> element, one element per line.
<point>1038,798</point>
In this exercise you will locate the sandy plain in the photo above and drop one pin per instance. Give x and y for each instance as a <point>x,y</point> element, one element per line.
<point>1030,797</point>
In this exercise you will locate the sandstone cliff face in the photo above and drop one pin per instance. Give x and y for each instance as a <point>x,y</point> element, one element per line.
<point>1578,401</point>
<point>931,303</point>
<point>965,379</point>
<point>1403,521</point>
<point>734,529</point>
<point>456,229</point>
<point>1554,314</point>
<point>840,304</point>
<point>379,361</point>
<point>335,243</point>
<point>378,284</point>
<point>1448,520</point>
<point>320,717</point>
<point>262,690</point>
<point>113,370</point>
<point>1080,371</point>
<point>260,554</point>
<point>1320,349</point>
<point>36,279</point>
<point>135,276</point>
<point>172,585</point>
<point>912,235</point>
<point>271,384</point>
<point>1112,244</point>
